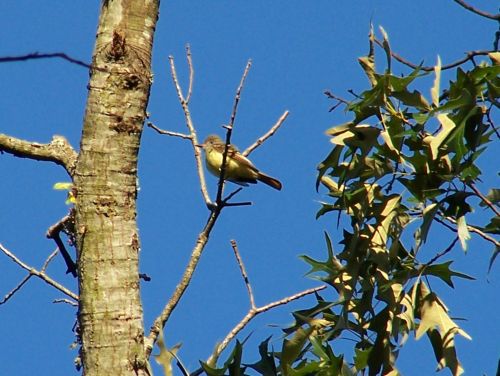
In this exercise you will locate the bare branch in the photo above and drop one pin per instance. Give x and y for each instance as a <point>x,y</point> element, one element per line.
<point>67,301</point>
<point>484,198</point>
<point>37,55</point>
<point>11,293</point>
<point>238,93</point>
<point>189,121</point>
<point>191,73</point>
<point>49,259</point>
<point>251,314</point>
<point>268,134</point>
<point>39,274</point>
<point>180,289</point>
<point>169,133</point>
<point>58,150</point>
<point>440,254</point>
<point>478,11</point>
<point>229,131</point>
<point>468,56</point>
<point>471,228</point>
<point>243,273</point>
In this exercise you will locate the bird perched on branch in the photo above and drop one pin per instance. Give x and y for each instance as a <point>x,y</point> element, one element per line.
<point>238,169</point>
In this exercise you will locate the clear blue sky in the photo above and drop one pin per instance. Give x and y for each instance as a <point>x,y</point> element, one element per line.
<point>299,49</point>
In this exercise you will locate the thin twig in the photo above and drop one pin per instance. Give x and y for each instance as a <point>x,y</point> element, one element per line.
<point>229,131</point>
<point>238,93</point>
<point>67,301</point>
<point>191,72</point>
<point>250,315</point>
<point>484,198</point>
<point>189,121</point>
<point>339,100</point>
<point>11,293</point>
<point>169,133</point>
<point>268,134</point>
<point>49,259</point>
<point>468,56</point>
<point>39,274</point>
<point>37,55</point>
<point>471,228</point>
<point>440,254</point>
<point>244,274</point>
<point>478,11</point>
<point>180,289</point>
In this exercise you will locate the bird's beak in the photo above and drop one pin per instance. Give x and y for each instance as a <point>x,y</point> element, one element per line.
<point>200,145</point>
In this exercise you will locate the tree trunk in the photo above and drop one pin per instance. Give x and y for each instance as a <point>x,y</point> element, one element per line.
<point>110,313</point>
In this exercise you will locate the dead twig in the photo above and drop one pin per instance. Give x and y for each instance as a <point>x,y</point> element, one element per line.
<point>268,134</point>
<point>169,133</point>
<point>37,55</point>
<point>468,56</point>
<point>478,11</point>
<point>40,274</point>
<point>484,198</point>
<point>54,233</point>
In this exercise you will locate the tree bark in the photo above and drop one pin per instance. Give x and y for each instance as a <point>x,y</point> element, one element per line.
<point>105,181</point>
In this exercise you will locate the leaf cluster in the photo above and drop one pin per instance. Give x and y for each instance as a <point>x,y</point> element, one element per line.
<point>402,164</point>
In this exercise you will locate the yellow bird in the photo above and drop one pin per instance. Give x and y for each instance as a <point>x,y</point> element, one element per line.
<point>239,169</point>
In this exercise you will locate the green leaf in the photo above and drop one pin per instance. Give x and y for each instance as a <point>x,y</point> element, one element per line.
<point>266,365</point>
<point>412,99</point>
<point>293,347</point>
<point>361,358</point>
<point>331,161</point>
<point>428,218</point>
<point>493,257</point>
<point>444,272</point>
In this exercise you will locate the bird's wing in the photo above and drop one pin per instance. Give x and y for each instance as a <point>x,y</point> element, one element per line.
<point>241,160</point>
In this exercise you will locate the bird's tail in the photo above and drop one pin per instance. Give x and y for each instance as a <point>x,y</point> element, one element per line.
<point>270,181</point>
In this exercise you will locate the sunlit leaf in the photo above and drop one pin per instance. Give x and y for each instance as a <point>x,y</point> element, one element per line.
<point>463,232</point>
<point>166,356</point>
<point>63,186</point>
<point>433,314</point>
<point>435,88</point>
<point>444,272</point>
<point>387,48</point>
<point>437,141</point>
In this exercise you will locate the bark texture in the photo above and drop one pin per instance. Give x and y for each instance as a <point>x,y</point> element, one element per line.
<point>105,179</point>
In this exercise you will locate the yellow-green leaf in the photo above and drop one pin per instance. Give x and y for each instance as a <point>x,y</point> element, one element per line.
<point>63,186</point>
<point>436,142</point>
<point>433,313</point>
<point>435,87</point>
<point>463,232</point>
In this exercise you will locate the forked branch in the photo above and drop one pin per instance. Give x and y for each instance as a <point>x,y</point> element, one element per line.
<point>37,273</point>
<point>254,310</point>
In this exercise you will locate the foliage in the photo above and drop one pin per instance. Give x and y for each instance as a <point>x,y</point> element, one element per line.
<point>403,164</point>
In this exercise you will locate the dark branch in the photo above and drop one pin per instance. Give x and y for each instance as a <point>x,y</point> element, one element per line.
<point>37,55</point>
<point>478,11</point>
<point>54,233</point>
<point>468,56</point>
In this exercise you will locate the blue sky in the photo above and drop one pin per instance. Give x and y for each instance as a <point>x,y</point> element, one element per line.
<point>298,50</point>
